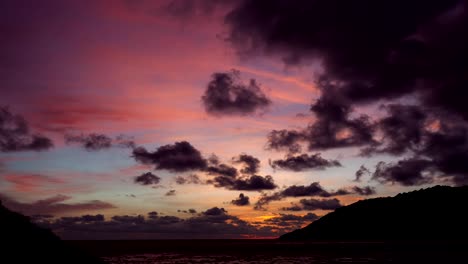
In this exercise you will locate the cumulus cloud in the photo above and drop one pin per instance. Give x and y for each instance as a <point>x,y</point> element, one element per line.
<point>246,183</point>
<point>222,170</point>
<point>15,134</point>
<point>366,62</point>
<point>53,205</point>
<point>178,157</point>
<point>252,164</point>
<point>369,59</point>
<point>147,178</point>
<point>96,142</point>
<point>227,95</point>
<point>315,204</point>
<point>241,201</point>
<point>312,190</point>
<point>304,162</point>
<point>333,128</point>
<point>405,172</point>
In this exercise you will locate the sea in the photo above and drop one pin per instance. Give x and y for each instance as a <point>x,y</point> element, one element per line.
<point>274,251</point>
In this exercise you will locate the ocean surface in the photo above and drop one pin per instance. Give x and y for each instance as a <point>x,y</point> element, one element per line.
<point>273,251</point>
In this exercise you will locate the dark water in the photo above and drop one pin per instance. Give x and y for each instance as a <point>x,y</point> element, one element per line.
<point>273,251</point>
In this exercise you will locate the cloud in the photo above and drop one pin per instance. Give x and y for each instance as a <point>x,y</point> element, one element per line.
<point>333,128</point>
<point>213,223</point>
<point>179,157</point>
<point>315,204</point>
<point>252,164</point>
<point>312,190</point>
<point>285,140</point>
<point>246,183</point>
<point>405,172</point>
<point>31,182</point>
<point>171,193</point>
<point>189,211</point>
<point>367,62</point>
<point>304,162</point>
<point>153,215</point>
<point>402,130</point>
<point>83,218</point>
<point>95,142</point>
<point>147,178</point>
<point>222,169</point>
<point>189,179</point>
<point>292,221</point>
<point>241,201</point>
<point>227,95</point>
<point>54,205</point>
<point>358,49</point>
<point>360,173</point>
<point>367,190</point>
<point>15,134</point>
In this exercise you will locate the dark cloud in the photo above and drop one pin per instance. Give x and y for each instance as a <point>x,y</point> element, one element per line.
<point>189,211</point>
<point>437,143</point>
<point>360,173</point>
<point>129,219</point>
<point>369,57</point>
<point>241,201</point>
<point>333,128</point>
<point>171,193</point>
<point>147,178</point>
<point>304,162</point>
<point>227,95</point>
<point>91,142</point>
<point>189,179</point>
<point>247,183</point>
<point>312,190</point>
<point>215,211</point>
<point>252,164</point>
<point>285,140</point>
<point>405,172</point>
<point>222,170</point>
<point>53,205</point>
<point>15,134</point>
<point>367,190</point>
<point>292,221</point>
<point>153,215</point>
<point>366,50</point>
<point>402,130</point>
<point>179,157</point>
<point>212,223</point>
<point>83,219</point>
<point>315,204</point>
<point>95,142</point>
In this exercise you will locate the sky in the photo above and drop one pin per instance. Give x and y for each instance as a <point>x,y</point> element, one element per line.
<point>225,119</point>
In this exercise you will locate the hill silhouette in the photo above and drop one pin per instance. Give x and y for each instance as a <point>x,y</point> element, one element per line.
<point>25,242</point>
<point>437,213</point>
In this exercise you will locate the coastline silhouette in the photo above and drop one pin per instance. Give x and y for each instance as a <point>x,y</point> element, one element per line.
<point>25,242</point>
<point>437,213</point>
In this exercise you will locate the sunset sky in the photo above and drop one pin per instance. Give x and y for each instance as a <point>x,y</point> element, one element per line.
<point>111,110</point>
